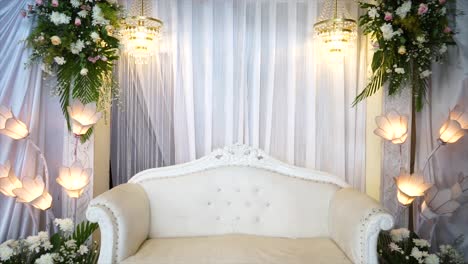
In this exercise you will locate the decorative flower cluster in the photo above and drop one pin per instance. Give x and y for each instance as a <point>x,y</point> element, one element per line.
<point>407,36</point>
<point>66,246</point>
<point>76,40</point>
<point>400,246</point>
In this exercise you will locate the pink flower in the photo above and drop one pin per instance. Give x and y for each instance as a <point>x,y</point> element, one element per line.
<point>388,16</point>
<point>77,21</point>
<point>39,2</point>
<point>55,3</point>
<point>94,59</point>
<point>442,2</point>
<point>447,29</point>
<point>104,58</point>
<point>23,13</point>
<point>422,9</point>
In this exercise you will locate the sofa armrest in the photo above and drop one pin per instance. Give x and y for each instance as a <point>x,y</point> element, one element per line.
<point>123,215</point>
<point>355,223</point>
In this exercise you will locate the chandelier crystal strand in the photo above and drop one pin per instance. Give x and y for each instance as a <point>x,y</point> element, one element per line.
<point>141,33</point>
<point>335,27</point>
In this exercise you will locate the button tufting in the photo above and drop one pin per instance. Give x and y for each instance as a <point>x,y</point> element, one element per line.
<point>208,203</point>
<point>219,190</point>
<point>267,204</point>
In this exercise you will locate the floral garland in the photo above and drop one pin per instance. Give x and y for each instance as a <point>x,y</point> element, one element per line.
<point>75,40</point>
<point>407,36</point>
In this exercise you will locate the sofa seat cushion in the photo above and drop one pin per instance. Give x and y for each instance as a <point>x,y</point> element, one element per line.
<point>238,249</point>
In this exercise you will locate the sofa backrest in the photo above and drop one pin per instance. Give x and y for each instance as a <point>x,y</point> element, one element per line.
<point>238,190</point>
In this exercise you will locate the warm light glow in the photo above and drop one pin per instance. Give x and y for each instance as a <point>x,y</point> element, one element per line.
<point>140,35</point>
<point>8,180</point>
<point>336,30</point>
<point>392,127</point>
<point>82,117</point>
<point>43,202</point>
<point>460,115</point>
<point>410,187</point>
<point>451,132</point>
<point>74,179</point>
<point>31,190</point>
<point>11,126</point>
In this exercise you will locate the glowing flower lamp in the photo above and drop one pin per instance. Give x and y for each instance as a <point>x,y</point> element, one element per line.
<point>460,115</point>
<point>410,187</point>
<point>141,33</point>
<point>392,127</point>
<point>11,126</point>
<point>8,180</point>
<point>335,28</point>
<point>83,117</point>
<point>43,202</point>
<point>31,190</point>
<point>450,132</point>
<point>74,179</point>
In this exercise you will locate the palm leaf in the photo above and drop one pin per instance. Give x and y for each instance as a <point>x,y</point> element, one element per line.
<point>83,231</point>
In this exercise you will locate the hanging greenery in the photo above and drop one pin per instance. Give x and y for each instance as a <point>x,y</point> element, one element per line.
<point>75,41</point>
<point>407,36</point>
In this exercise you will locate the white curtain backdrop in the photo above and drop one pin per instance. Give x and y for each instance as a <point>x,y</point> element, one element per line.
<point>244,71</point>
<point>30,98</point>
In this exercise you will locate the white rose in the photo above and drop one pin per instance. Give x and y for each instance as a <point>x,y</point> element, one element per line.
<point>421,38</point>
<point>84,71</point>
<point>443,49</point>
<point>402,50</point>
<point>387,31</point>
<point>372,12</point>
<point>423,75</point>
<point>400,70</point>
<point>55,40</point>
<point>403,10</point>
<point>95,36</point>
<point>59,60</point>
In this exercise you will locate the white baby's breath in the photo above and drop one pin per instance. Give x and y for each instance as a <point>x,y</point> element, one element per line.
<point>373,13</point>
<point>83,250</point>
<point>77,46</point>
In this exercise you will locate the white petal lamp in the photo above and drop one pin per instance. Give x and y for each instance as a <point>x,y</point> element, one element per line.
<point>11,126</point>
<point>450,132</point>
<point>82,117</point>
<point>74,179</point>
<point>439,202</point>
<point>43,202</point>
<point>8,180</point>
<point>410,187</point>
<point>392,127</point>
<point>31,190</point>
<point>460,114</point>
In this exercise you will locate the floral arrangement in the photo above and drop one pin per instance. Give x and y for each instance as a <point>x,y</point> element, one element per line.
<point>75,39</point>
<point>407,36</point>
<point>400,246</point>
<point>69,245</point>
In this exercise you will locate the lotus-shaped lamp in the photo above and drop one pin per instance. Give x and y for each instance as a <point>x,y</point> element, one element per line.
<point>11,126</point>
<point>82,117</point>
<point>74,179</point>
<point>392,127</point>
<point>31,190</point>
<point>43,202</point>
<point>460,115</point>
<point>439,202</point>
<point>450,132</point>
<point>410,187</point>
<point>8,180</point>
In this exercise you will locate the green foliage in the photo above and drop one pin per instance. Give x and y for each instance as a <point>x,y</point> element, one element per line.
<point>85,69</point>
<point>405,51</point>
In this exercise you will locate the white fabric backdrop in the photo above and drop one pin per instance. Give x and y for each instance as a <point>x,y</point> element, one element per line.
<point>241,71</point>
<point>29,97</point>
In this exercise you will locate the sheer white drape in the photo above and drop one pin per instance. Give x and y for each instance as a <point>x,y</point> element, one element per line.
<point>449,86</point>
<point>21,89</point>
<point>241,71</point>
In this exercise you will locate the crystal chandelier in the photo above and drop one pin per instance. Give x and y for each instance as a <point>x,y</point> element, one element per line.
<point>334,27</point>
<point>140,33</point>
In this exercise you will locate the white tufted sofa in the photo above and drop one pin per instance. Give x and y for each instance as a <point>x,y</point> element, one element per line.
<point>237,206</point>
